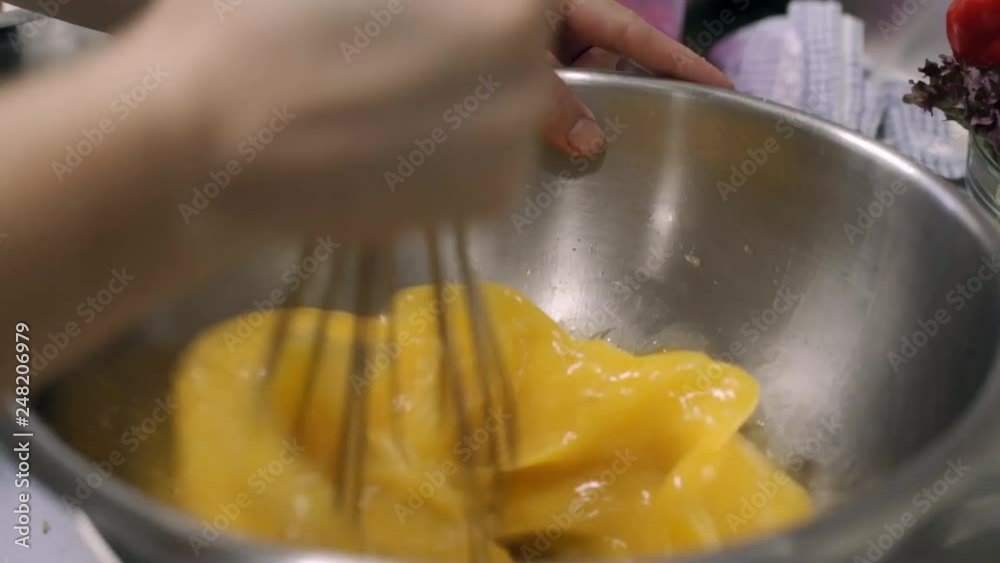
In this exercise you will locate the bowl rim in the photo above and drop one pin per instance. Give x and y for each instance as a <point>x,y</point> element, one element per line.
<point>974,437</point>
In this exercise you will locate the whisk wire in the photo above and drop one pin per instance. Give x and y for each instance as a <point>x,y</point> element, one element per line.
<point>488,390</point>
<point>316,348</point>
<point>354,426</point>
<point>393,343</point>
<point>438,283</point>
<point>452,390</point>
<point>496,394</point>
<point>281,328</point>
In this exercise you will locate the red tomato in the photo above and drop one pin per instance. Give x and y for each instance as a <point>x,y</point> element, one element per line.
<point>974,31</point>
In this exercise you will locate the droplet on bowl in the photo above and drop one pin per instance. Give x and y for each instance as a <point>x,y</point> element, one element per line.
<point>693,260</point>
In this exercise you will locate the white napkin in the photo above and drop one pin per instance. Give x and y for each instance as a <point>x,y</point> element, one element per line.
<point>813,59</point>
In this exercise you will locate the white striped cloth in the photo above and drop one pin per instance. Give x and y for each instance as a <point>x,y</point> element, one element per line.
<point>926,139</point>
<point>779,77</point>
<point>819,25</point>
<point>852,53</point>
<point>813,59</point>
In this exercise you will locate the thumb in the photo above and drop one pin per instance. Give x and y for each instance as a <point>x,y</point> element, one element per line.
<point>569,125</point>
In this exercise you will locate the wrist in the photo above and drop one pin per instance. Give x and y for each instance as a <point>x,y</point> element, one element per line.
<point>167,81</point>
<point>155,100</point>
<point>185,135</point>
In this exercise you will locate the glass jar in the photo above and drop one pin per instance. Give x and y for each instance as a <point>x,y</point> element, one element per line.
<point>983,176</point>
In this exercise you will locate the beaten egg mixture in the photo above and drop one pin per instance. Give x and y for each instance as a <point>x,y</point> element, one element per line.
<point>616,456</point>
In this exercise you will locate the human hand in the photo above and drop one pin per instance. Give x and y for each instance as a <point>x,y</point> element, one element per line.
<point>597,33</point>
<point>365,122</point>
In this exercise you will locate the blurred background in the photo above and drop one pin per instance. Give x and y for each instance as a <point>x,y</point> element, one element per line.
<point>922,37</point>
<point>901,51</point>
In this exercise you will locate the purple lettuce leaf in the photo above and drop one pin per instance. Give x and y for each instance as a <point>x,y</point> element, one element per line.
<point>965,94</point>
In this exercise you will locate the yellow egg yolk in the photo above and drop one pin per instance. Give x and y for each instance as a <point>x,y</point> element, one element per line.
<point>614,455</point>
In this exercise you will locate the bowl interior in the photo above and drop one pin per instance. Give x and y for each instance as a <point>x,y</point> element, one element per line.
<point>837,274</point>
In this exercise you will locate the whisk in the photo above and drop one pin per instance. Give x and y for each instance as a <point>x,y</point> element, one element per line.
<point>372,271</point>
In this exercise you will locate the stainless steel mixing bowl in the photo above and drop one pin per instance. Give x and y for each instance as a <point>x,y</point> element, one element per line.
<point>858,288</point>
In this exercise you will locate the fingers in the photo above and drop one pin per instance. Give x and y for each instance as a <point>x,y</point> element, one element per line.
<point>607,24</point>
<point>569,47</point>
<point>569,125</point>
<point>598,58</point>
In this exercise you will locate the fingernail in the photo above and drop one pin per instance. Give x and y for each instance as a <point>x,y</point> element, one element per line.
<point>586,137</point>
